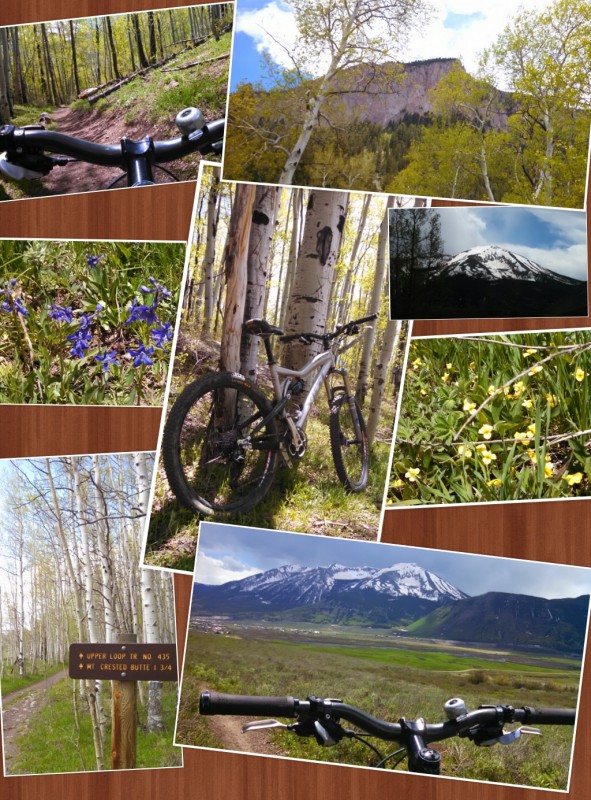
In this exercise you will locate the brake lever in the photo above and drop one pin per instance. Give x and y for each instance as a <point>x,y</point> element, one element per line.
<point>262,724</point>
<point>511,736</point>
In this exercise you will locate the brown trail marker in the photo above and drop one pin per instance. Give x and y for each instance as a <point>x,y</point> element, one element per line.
<point>124,663</point>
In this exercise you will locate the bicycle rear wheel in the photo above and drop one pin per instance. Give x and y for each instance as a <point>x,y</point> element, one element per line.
<point>216,460</point>
<point>350,449</point>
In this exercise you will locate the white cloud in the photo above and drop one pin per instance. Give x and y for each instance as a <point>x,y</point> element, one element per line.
<point>435,40</point>
<point>462,231</point>
<point>213,570</point>
<point>272,27</point>
<point>571,261</point>
<point>273,30</point>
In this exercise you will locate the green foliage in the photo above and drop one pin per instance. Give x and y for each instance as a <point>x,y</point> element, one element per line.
<point>12,682</point>
<point>67,305</point>
<point>72,750</point>
<point>520,445</point>
<point>387,682</point>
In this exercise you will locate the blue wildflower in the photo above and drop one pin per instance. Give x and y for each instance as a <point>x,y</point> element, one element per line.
<point>5,306</point>
<point>19,307</point>
<point>162,335</point>
<point>142,355</point>
<point>80,345</point>
<point>60,313</point>
<point>139,312</point>
<point>108,359</point>
<point>93,261</point>
<point>159,288</point>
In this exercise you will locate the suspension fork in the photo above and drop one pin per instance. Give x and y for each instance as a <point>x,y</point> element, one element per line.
<point>342,371</point>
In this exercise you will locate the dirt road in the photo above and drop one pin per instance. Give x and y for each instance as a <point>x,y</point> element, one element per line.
<point>17,710</point>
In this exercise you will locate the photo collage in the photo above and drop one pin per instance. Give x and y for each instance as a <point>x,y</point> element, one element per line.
<point>295,398</point>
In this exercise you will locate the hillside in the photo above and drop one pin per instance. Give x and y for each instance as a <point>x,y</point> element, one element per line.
<point>501,618</point>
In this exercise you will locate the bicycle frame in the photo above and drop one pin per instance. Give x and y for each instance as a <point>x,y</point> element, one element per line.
<point>325,363</point>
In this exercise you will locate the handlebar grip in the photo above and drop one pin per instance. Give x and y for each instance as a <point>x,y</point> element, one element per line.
<point>550,716</point>
<point>370,318</point>
<point>245,705</point>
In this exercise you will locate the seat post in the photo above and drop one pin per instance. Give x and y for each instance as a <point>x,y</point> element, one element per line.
<point>269,349</point>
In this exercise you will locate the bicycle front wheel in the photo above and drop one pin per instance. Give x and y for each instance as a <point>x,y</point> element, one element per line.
<point>218,458</point>
<point>348,442</point>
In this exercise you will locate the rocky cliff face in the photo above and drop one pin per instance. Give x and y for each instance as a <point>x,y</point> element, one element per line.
<point>390,92</point>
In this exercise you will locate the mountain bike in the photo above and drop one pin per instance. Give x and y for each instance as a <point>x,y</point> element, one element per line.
<point>322,719</point>
<point>24,151</point>
<point>223,437</point>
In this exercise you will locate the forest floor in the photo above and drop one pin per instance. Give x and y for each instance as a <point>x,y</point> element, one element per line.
<point>147,106</point>
<point>308,498</point>
<point>17,710</point>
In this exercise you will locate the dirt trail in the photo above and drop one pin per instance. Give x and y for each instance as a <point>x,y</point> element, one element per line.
<point>17,710</point>
<point>79,176</point>
<point>227,731</point>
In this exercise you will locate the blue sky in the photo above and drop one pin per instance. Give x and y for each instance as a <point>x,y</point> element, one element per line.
<point>457,29</point>
<point>231,552</point>
<point>553,238</point>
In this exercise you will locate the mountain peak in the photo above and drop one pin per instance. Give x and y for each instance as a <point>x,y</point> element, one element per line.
<point>491,262</point>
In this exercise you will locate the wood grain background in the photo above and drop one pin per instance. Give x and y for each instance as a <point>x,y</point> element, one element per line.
<point>550,531</point>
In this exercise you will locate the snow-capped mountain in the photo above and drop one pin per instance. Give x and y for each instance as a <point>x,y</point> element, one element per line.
<point>493,263</point>
<point>291,587</point>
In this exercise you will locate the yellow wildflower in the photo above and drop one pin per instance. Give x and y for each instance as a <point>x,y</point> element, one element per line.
<point>445,377</point>
<point>481,448</point>
<point>527,404</point>
<point>423,392</point>
<point>486,431</point>
<point>507,391</point>
<point>551,398</point>
<point>530,351</point>
<point>523,437</point>
<point>535,370</point>
<point>548,470</point>
<point>397,483</point>
<point>518,388</point>
<point>576,477</point>
<point>468,406</point>
<point>532,456</point>
<point>494,482</point>
<point>491,389</point>
<point>449,365</point>
<point>412,474</point>
<point>532,429</point>
<point>580,375</point>
<point>417,363</point>
<point>488,457</point>
<point>464,450</point>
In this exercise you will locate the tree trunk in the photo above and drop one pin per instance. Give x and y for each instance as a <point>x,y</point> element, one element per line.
<point>152,36</point>
<point>5,104</point>
<point>235,261</point>
<point>262,228</point>
<point>209,255</point>
<point>138,40</point>
<point>389,344</point>
<point>374,307</point>
<point>346,291</point>
<point>310,293</point>
<point>112,49</point>
<point>74,57</point>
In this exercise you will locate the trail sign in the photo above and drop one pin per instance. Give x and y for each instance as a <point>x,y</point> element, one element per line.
<point>127,661</point>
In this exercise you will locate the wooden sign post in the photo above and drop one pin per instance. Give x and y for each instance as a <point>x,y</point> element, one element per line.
<point>124,663</point>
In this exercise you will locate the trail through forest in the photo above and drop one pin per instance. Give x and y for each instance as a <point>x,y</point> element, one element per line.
<point>106,128</point>
<point>18,709</point>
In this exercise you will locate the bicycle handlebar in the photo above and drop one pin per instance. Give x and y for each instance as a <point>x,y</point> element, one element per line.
<point>348,328</point>
<point>211,703</point>
<point>19,140</point>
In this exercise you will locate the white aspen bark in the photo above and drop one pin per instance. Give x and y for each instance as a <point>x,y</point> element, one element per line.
<point>209,255</point>
<point>389,344</point>
<point>294,244</point>
<point>310,293</point>
<point>235,260</point>
<point>374,306</point>
<point>21,590</point>
<point>152,632</point>
<point>313,115</point>
<point>111,626</point>
<point>344,298</point>
<point>262,228</point>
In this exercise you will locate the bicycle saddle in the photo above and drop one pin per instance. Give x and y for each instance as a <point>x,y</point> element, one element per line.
<point>260,327</point>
